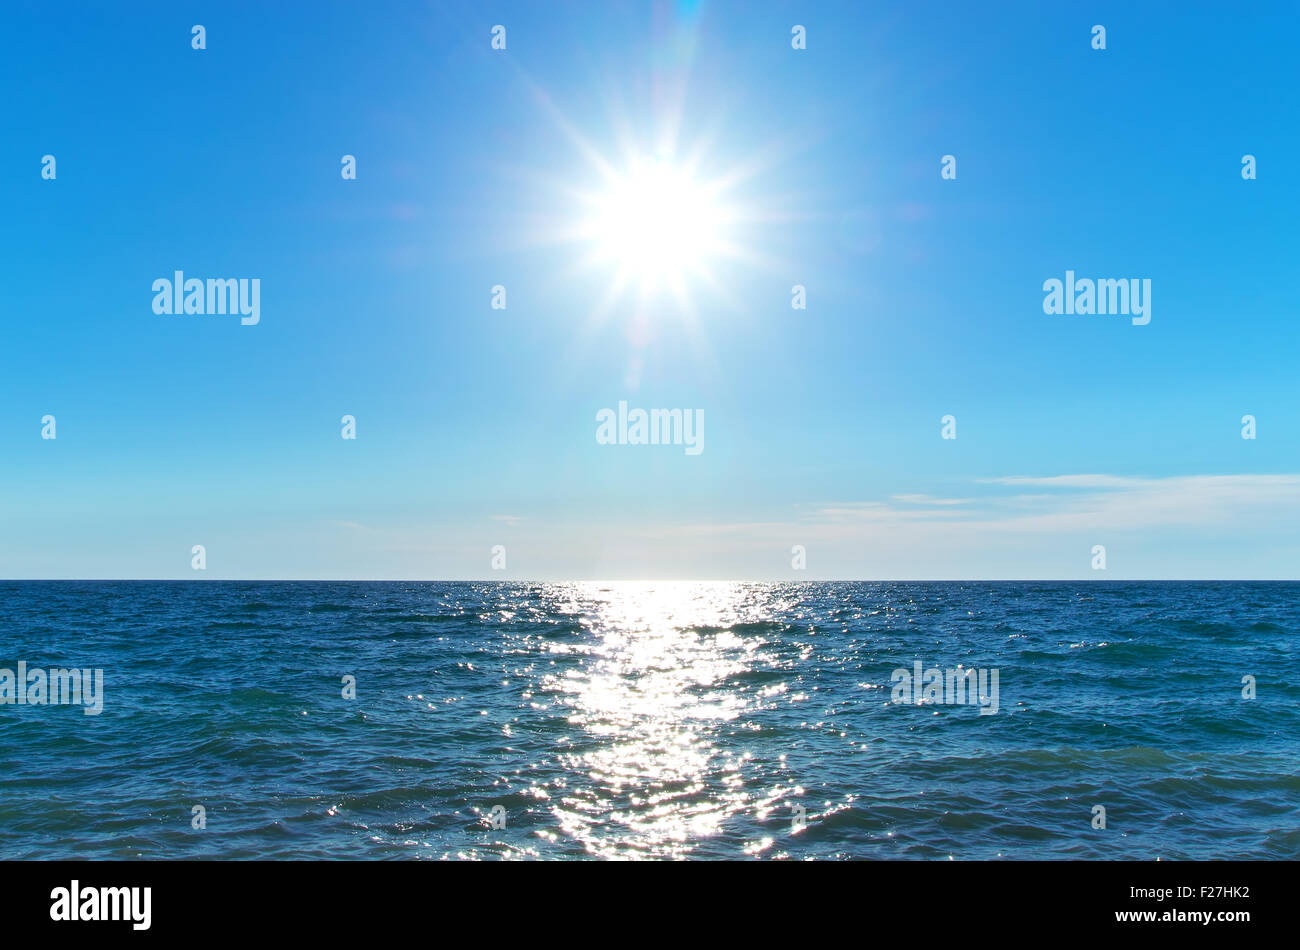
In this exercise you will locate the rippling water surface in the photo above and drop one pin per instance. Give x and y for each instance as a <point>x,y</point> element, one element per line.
<point>652,720</point>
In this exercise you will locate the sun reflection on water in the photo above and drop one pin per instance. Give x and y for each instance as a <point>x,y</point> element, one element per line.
<point>647,703</point>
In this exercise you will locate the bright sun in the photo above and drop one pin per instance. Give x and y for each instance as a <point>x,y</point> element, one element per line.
<point>656,224</point>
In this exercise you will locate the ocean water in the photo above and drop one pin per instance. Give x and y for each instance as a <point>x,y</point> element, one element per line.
<point>656,720</point>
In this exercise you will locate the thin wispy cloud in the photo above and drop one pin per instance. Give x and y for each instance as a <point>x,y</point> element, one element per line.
<point>1061,502</point>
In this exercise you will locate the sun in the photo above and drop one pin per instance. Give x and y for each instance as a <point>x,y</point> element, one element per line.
<point>655,224</point>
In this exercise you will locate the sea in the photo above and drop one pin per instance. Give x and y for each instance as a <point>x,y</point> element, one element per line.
<point>652,720</point>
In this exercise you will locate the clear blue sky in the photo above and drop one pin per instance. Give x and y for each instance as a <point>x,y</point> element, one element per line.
<point>477,426</point>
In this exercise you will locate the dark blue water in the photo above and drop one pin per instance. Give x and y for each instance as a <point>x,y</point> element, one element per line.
<point>652,720</point>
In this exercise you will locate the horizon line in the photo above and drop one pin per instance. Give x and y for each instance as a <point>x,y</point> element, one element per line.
<point>651,580</point>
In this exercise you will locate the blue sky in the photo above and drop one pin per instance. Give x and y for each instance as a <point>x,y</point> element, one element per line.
<point>476,427</point>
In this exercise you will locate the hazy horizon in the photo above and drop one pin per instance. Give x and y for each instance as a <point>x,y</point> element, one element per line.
<point>703,581</point>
